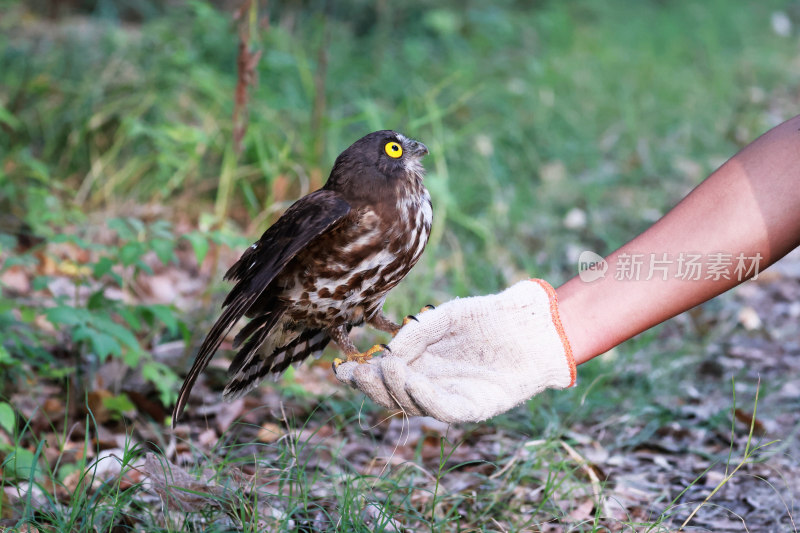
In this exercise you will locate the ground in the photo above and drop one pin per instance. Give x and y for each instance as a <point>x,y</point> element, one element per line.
<point>308,454</point>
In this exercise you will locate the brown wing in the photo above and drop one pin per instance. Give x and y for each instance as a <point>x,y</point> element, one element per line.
<point>305,220</point>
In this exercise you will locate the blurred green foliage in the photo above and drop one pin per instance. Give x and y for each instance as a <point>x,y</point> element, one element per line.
<point>617,94</point>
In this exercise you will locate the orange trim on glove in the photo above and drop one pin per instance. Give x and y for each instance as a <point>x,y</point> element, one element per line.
<point>551,293</point>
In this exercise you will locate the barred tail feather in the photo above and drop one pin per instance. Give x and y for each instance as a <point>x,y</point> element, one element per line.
<point>257,367</point>
<point>209,347</point>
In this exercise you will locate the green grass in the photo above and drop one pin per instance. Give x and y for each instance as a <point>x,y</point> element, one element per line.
<point>616,108</point>
<point>305,481</point>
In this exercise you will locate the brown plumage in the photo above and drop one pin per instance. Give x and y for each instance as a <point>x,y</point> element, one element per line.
<point>326,265</point>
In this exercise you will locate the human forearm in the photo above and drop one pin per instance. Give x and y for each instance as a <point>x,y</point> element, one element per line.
<point>749,206</point>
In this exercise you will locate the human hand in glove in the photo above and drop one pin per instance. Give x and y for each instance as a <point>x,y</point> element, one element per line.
<point>471,358</point>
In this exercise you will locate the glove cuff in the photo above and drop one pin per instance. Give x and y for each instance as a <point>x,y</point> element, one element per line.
<point>570,360</point>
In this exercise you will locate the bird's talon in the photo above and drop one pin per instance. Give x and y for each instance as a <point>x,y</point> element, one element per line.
<point>364,357</point>
<point>408,319</point>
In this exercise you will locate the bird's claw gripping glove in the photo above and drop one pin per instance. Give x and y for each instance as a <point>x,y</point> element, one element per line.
<point>471,358</point>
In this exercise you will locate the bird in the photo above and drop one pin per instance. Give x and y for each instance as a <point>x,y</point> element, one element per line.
<point>325,266</point>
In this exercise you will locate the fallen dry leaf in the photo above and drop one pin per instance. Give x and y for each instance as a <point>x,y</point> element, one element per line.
<point>228,412</point>
<point>747,419</point>
<point>95,402</point>
<point>270,432</point>
<point>583,510</point>
<point>178,489</point>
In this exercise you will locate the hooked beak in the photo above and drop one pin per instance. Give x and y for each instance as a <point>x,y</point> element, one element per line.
<point>417,149</point>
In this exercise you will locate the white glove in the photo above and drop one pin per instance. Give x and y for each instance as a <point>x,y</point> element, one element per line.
<point>471,358</point>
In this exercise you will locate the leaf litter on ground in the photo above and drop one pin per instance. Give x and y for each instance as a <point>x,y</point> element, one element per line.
<point>259,448</point>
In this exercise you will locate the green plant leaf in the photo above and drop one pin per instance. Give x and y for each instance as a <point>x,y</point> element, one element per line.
<point>162,229</point>
<point>131,252</point>
<point>102,343</point>
<point>13,261</point>
<point>27,314</point>
<point>133,358</point>
<point>144,267</point>
<point>7,305</point>
<point>165,315</point>
<point>164,249</point>
<point>102,267</point>
<point>39,170</point>
<point>200,245</point>
<point>74,239</point>
<point>20,464</point>
<point>119,403</point>
<point>66,469</point>
<point>130,316</point>
<point>9,119</point>
<point>40,282</point>
<point>165,380</point>
<point>8,419</point>
<point>97,301</point>
<point>7,242</point>
<point>136,224</point>
<point>5,357</point>
<point>120,332</point>
<point>121,228</point>
<point>66,315</point>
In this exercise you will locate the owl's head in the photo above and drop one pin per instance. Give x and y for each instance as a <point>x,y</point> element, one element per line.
<point>377,160</point>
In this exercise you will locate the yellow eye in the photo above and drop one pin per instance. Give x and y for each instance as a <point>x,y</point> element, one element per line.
<point>393,149</point>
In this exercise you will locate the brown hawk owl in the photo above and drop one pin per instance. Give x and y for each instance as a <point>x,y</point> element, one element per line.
<point>325,266</point>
